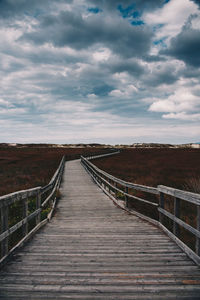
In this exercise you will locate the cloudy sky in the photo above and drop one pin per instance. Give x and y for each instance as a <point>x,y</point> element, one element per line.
<point>104,71</point>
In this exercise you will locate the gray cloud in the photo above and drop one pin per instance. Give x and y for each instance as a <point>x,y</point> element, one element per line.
<point>13,9</point>
<point>185,46</point>
<point>70,69</point>
<point>161,75</point>
<point>70,29</point>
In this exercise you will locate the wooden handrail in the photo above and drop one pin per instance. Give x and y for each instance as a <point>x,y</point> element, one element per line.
<point>24,198</point>
<point>110,185</point>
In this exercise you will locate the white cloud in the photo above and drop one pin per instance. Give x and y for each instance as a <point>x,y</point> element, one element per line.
<point>127,92</point>
<point>182,116</point>
<point>101,55</point>
<point>61,94</point>
<point>172,16</point>
<point>180,102</point>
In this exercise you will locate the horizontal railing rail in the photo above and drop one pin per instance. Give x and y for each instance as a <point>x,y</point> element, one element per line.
<point>24,212</point>
<point>114,186</point>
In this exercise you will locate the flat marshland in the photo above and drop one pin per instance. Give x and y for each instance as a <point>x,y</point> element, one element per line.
<point>176,168</point>
<point>24,168</point>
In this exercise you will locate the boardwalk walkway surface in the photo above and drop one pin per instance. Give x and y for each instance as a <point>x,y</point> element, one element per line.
<point>93,250</point>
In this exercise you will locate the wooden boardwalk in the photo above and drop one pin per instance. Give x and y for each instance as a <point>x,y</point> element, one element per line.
<point>93,250</point>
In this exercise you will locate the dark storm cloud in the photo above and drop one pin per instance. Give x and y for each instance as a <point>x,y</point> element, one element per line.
<point>102,89</point>
<point>161,75</point>
<point>12,9</point>
<point>186,46</point>
<point>153,58</point>
<point>130,66</point>
<point>71,29</point>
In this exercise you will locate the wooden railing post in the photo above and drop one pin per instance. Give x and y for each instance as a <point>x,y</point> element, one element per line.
<point>198,228</point>
<point>4,227</point>
<point>161,203</point>
<point>115,184</point>
<point>176,229</point>
<point>38,204</point>
<point>126,197</point>
<point>25,215</point>
<point>109,186</point>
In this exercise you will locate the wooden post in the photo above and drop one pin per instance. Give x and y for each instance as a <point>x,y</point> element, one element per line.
<point>4,227</point>
<point>126,197</point>
<point>176,229</point>
<point>115,184</point>
<point>109,186</point>
<point>24,215</point>
<point>161,203</point>
<point>38,205</point>
<point>198,228</point>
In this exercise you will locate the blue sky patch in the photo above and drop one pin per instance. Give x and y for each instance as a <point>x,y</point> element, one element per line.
<point>94,10</point>
<point>160,42</point>
<point>137,23</point>
<point>126,12</point>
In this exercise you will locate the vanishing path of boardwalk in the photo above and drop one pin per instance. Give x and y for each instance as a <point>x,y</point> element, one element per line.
<point>93,250</point>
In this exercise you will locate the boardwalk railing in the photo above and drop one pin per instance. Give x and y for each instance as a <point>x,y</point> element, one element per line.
<point>23,213</point>
<point>166,197</point>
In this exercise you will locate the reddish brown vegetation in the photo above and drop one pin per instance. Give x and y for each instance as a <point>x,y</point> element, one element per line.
<point>23,168</point>
<point>171,167</point>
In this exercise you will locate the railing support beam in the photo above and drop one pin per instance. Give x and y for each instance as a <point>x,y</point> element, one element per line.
<point>176,229</point>
<point>4,227</point>
<point>198,228</point>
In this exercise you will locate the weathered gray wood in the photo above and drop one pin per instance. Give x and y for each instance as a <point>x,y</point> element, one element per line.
<point>138,187</point>
<point>185,248</point>
<point>162,204</point>
<point>21,223</point>
<point>187,196</point>
<point>17,196</point>
<point>198,228</point>
<point>5,258</point>
<point>24,216</point>
<point>4,227</point>
<point>176,229</point>
<point>126,197</point>
<point>180,222</point>
<point>23,196</point>
<point>93,250</point>
<point>101,179</point>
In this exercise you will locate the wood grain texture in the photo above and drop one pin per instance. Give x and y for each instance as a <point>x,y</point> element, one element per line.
<point>92,249</point>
